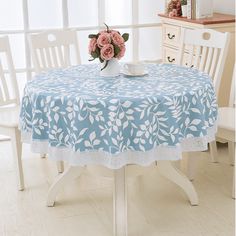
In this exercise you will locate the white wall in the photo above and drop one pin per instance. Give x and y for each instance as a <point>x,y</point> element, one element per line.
<point>224,6</point>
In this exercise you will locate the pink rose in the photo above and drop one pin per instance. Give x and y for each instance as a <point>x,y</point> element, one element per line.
<point>103,39</point>
<point>117,38</point>
<point>122,51</point>
<point>107,52</point>
<point>92,45</point>
<point>174,12</point>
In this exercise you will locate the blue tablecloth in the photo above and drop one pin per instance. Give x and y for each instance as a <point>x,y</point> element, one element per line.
<point>76,111</point>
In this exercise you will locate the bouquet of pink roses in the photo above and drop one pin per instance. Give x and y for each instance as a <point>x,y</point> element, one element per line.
<point>107,44</point>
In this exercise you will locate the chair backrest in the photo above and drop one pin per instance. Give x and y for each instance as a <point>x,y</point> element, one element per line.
<point>205,50</point>
<point>9,92</point>
<point>232,98</point>
<point>54,49</point>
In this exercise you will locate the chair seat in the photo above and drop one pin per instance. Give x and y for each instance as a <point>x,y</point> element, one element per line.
<point>227,118</point>
<point>9,116</point>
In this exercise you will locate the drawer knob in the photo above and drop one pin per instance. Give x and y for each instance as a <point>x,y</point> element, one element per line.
<point>190,66</point>
<point>170,60</point>
<point>171,36</point>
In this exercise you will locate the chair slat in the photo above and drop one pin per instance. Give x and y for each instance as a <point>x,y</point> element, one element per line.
<point>4,84</point>
<point>214,62</point>
<point>67,55</point>
<point>209,59</point>
<point>60,56</point>
<point>48,57</point>
<point>197,57</point>
<point>42,57</point>
<point>203,58</point>
<point>54,57</point>
<point>1,87</point>
<point>190,57</point>
<point>1,96</point>
<point>37,60</point>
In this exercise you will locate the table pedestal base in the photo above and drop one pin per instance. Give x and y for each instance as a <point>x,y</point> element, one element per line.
<point>120,190</point>
<point>70,174</point>
<point>176,176</point>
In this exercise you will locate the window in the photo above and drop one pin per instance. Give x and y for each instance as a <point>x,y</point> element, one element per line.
<point>18,18</point>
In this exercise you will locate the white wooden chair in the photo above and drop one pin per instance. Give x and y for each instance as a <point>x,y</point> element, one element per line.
<point>9,106</point>
<point>54,49</point>
<point>206,50</point>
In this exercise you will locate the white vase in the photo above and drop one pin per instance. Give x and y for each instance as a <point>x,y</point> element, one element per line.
<point>112,69</point>
<point>184,10</point>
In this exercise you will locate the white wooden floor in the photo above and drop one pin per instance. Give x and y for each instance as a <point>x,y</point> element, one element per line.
<point>156,207</point>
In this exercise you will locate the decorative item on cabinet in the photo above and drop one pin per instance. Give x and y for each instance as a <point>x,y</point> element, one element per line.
<point>198,9</point>
<point>203,8</point>
<point>174,8</point>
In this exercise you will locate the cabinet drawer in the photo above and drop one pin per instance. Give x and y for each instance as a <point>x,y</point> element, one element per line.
<point>171,34</point>
<point>170,55</point>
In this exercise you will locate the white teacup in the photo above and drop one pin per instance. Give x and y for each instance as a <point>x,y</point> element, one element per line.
<point>134,68</point>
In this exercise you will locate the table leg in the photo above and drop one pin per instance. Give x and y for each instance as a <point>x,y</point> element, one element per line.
<point>120,203</point>
<point>69,174</point>
<point>170,172</point>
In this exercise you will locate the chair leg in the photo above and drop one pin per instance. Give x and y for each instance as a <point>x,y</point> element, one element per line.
<point>213,152</point>
<point>60,166</point>
<point>233,189</point>
<point>231,148</point>
<point>17,153</point>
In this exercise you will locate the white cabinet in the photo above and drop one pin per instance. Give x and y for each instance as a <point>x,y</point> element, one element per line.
<point>171,33</point>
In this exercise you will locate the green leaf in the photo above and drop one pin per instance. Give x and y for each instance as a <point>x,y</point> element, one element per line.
<point>116,50</point>
<point>125,36</point>
<point>107,27</point>
<point>106,63</point>
<point>101,60</point>
<point>97,51</point>
<point>92,36</point>
<point>94,54</point>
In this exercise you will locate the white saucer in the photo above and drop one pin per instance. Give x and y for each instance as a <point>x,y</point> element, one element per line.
<point>127,73</point>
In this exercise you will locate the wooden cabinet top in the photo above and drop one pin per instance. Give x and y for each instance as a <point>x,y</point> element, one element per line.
<point>217,18</point>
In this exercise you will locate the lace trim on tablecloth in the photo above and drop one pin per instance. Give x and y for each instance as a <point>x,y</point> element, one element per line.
<point>108,160</point>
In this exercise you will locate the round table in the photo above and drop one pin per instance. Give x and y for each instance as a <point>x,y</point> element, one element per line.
<point>78,116</point>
